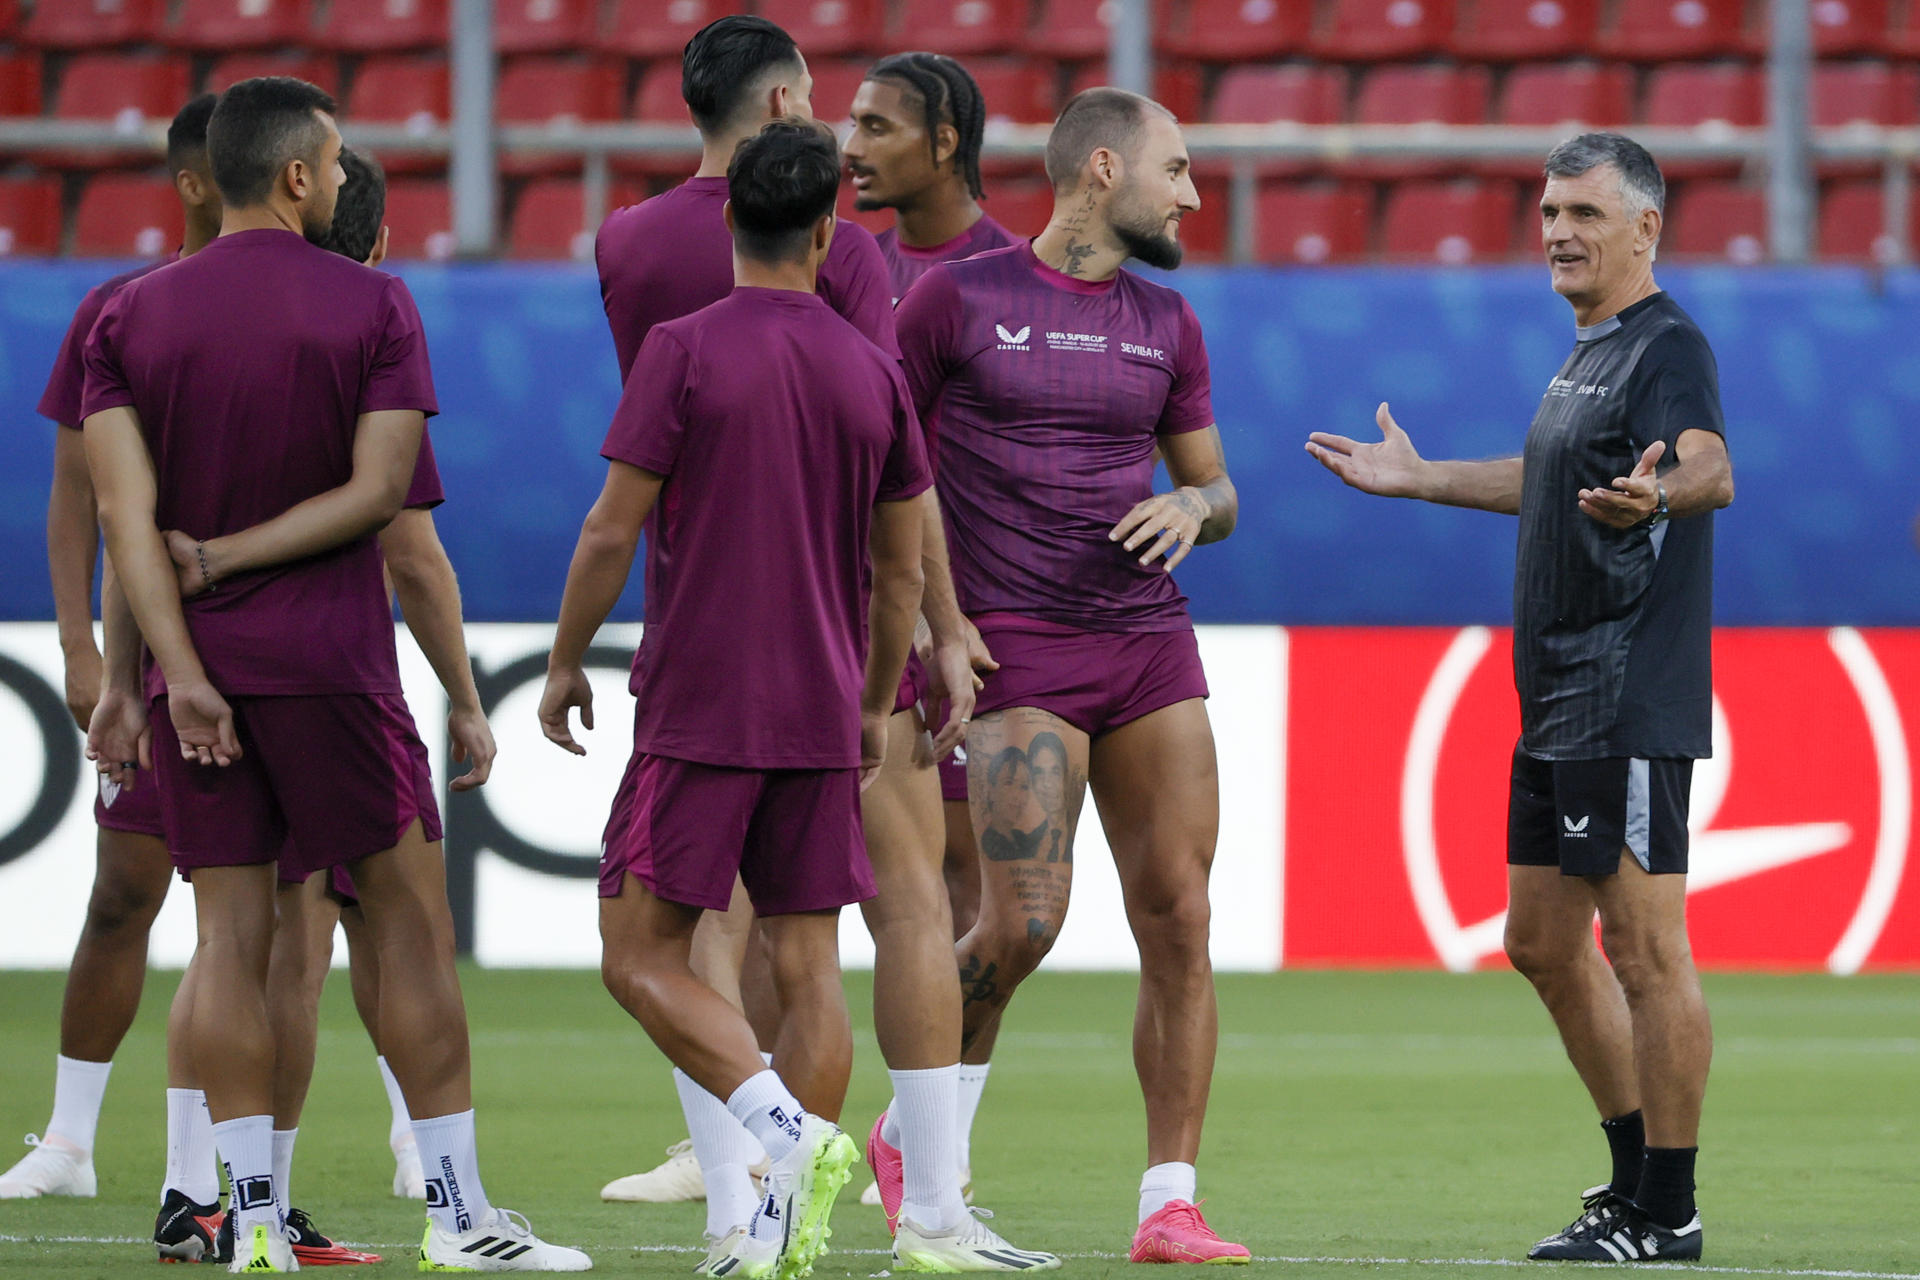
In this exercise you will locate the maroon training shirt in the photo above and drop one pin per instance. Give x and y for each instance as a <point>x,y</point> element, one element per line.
<point>906,264</point>
<point>249,365</point>
<point>778,427</point>
<point>1050,392</point>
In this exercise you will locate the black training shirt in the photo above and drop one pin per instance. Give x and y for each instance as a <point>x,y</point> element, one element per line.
<point>1612,626</point>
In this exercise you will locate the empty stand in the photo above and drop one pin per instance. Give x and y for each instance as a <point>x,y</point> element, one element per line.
<point>382,26</point>
<point>1903,32</point>
<point>1412,95</point>
<point>1016,90</point>
<point>246,66</point>
<point>416,92</point>
<point>1559,93</point>
<point>1661,30</point>
<point>1367,30</point>
<point>1314,223</point>
<point>1840,27</point>
<point>1727,92</point>
<point>419,220</point>
<point>89,24</point>
<point>130,91</point>
<point>1298,92</point>
<point>549,221</point>
<point>1073,30</point>
<point>555,91</point>
<point>657,100</point>
<point>828,26</point>
<point>1853,223</point>
<point>1718,220</point>
<point>1511,30</point>
<point>544,26</point>
<point>1022,207</point>
<point>661,28</point>
<point>834,84</point>
<point>237,24</point>
<point>960,28</point>
<point>1177,86</point>
<point>29,216</point>
<point>9,17</point>
<point>1237,30</point>
<point>1204,232</point>
<point>20,84</point>
<point>1450,222</point>
<point>1865,93</point>
<point>128,216</point>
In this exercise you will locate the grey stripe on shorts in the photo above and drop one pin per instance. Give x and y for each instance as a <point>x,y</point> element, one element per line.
<point>1639,812</point>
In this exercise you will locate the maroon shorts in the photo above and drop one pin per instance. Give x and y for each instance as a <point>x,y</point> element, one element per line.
<point>137,810</point>
<point>685,830</point>
<point>953,773</point>
<point>339,882</point>
<point>1094,680</point>
<point>913,684</point>
<point>323,780</point>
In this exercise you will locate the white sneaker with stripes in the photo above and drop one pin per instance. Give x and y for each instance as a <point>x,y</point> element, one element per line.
<point>501,1241</point>
<point>971,1246</point>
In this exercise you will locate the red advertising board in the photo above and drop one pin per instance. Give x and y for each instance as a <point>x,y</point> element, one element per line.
<point>1398,750</point>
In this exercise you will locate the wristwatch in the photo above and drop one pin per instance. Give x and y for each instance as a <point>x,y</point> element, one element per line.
<point>1659,512</point>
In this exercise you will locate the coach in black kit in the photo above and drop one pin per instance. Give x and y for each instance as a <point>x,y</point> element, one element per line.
<point>1624,465</point>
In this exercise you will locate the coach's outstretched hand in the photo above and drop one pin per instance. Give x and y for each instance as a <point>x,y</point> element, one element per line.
<point>203,722</point>
<point>1632,498</point>
<point>1390,468</point>
<point>567,688</point>
<point>119,739</point>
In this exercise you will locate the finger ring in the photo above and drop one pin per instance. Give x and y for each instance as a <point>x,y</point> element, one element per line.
<point>129,764</point>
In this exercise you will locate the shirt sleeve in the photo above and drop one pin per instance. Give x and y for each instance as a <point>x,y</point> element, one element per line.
<point>649,426</point>
<point>1189,404</point>
<point>399,376</point>
<point>67,383</point>
<point>930,317</point>
<point>906,474</point>
<point>854,282</point>
<point>106,381</point>
<point>425,492</point>
<point>1678,388</point>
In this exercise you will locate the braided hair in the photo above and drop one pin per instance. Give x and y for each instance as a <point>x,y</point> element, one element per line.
<point>948,95</point>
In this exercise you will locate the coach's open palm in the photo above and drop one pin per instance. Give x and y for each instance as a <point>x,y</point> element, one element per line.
<point>566,689</point>
<point>1390,468</point>
<point>203,722</point>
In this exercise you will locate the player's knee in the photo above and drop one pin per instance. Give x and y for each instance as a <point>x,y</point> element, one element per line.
<point>1647,962</point>
<point>1173,922</point>
<point>1536,954</point>
<point>121,903</point>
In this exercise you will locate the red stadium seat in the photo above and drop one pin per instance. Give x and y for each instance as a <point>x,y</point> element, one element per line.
<point>1840,27</point>
<point>661,28</point>
<point>20,84</point>
<point>657,100</point>
<point>1016,91</point>
<point>1022,207</point>
<point>555,91</point>
<point>1314,223</point>
<point>1661,30</point>
<point>237,24</point>
<point>1718,220</point>
<point>1903,33</point>
<point>1720,91</point>
<point>549,221</point>
<point>29,216</point>
<point>1853,223</point>
<point>1073,30</point>
<point>1204,232</point>
<point>419,220</point>
<point>1429,94</point>
<point>834,84</point>
<point>90,24</point>
<point>125,215</point>
<point>1503,30</point>
<point>1238,30</point>
<point>9,17</point>
<point>828,26</point>
<point>1864,93</point>
<point>245,66</point>
<point>133,91</point>
<point>961,28</point>
<point>382,26</point>
<point>1297,92</point>
<point>1368,30</point>
<point>416,92</point>
<point>1567,93</point>
<point>544,26</point>
<point>1450,222</point>
<point>1176,86</point>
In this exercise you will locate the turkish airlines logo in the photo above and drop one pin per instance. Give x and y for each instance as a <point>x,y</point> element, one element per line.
<point>1721,855</point>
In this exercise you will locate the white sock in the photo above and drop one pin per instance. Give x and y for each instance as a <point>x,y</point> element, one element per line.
<point>1164,1183</point>
<point>726,1152</point>
<point>890,1122</point>
<point>193,1162</point>
<point>246,1148</point>
<point>283,1167</point>
<point>925,1104</point>
<point>766,1057</point>
<point>973,1083</point>
<point>770,1113</point>
<point>448,1155</point>
<point>78,1088</point>
<point>400,1127</point>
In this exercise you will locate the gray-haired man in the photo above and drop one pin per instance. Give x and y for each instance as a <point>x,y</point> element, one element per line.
<point>1613,601</point>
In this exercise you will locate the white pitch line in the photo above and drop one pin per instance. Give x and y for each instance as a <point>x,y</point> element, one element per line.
<point>1099,1256</point>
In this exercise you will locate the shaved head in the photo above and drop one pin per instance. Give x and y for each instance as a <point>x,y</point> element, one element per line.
<point>1097,118</point>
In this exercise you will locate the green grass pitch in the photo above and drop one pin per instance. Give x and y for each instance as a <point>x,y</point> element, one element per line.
<point>1412,1125</point>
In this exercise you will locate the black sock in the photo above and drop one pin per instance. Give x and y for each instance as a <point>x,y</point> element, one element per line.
<point>1666,1186</point>
<point>1627,1139</point>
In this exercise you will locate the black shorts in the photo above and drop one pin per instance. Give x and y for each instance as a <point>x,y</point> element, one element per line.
<point>1578,814</point>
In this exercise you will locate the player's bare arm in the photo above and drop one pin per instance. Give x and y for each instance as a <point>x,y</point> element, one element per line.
<point>957,655</point>
<point>601,560</point>
<point>429,595</point>
<point>1700,481</point>
<point>385,446</point>
<point>73,541</point>
<point>894,543</point>
<point>1392,468</point>
<point>1203,507</point>
<point>119,739</point>
<point>123,482</point>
